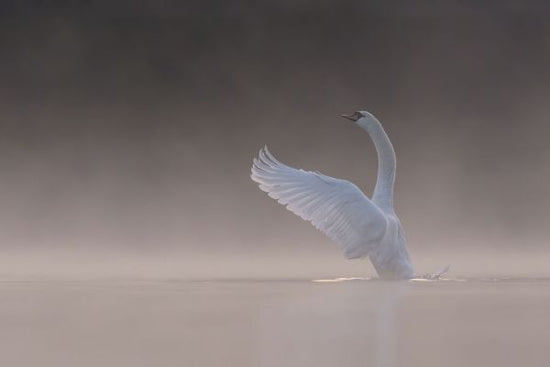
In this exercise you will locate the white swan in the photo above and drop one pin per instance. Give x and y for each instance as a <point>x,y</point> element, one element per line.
<point>361,226</point>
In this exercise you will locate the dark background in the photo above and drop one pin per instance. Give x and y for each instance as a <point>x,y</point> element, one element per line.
<point>128,127</point>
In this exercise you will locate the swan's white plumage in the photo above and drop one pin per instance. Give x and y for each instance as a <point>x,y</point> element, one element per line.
<point>361,226</point>
<point>336,207</point>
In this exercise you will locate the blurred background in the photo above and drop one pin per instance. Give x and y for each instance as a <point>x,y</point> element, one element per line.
<point>128,129</point>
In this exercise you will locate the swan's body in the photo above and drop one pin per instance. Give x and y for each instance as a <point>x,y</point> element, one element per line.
<point>361,226</point>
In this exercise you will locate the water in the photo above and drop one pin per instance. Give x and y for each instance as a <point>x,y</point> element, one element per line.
<point>460,322</point>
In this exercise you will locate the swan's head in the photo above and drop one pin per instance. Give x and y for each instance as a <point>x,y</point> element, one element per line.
<point>361,118</point>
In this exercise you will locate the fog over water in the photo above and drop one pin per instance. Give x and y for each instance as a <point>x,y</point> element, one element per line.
<point>128,130</point>
<point>132,235</point>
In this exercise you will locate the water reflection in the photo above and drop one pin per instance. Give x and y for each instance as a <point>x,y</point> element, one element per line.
<point>348,322</point>
<point>386,331</point>
<point>451,323</point>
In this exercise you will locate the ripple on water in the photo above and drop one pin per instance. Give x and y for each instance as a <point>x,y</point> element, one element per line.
<point>501,279</point>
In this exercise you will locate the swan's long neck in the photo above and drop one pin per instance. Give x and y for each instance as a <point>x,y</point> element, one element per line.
<point>383,191</point>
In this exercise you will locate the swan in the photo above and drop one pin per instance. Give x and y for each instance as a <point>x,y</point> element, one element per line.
<point>362,227</point>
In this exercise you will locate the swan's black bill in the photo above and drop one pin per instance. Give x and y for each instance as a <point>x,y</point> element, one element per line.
<point>356,116</point>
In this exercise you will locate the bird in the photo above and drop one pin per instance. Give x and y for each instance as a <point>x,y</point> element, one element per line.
<point>361,226</point>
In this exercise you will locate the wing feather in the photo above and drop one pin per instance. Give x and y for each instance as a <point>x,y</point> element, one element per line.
<point>336,207</point>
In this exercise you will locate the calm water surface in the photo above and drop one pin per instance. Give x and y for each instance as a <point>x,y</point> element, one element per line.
<point>461,322</point>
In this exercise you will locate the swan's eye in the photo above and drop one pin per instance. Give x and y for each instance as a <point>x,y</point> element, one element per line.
<point>356,116</point>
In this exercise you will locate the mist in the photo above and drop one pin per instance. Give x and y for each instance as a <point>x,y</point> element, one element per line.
<point>128,129</point>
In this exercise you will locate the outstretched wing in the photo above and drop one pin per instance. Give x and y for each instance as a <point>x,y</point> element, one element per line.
<point>336,207</point>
